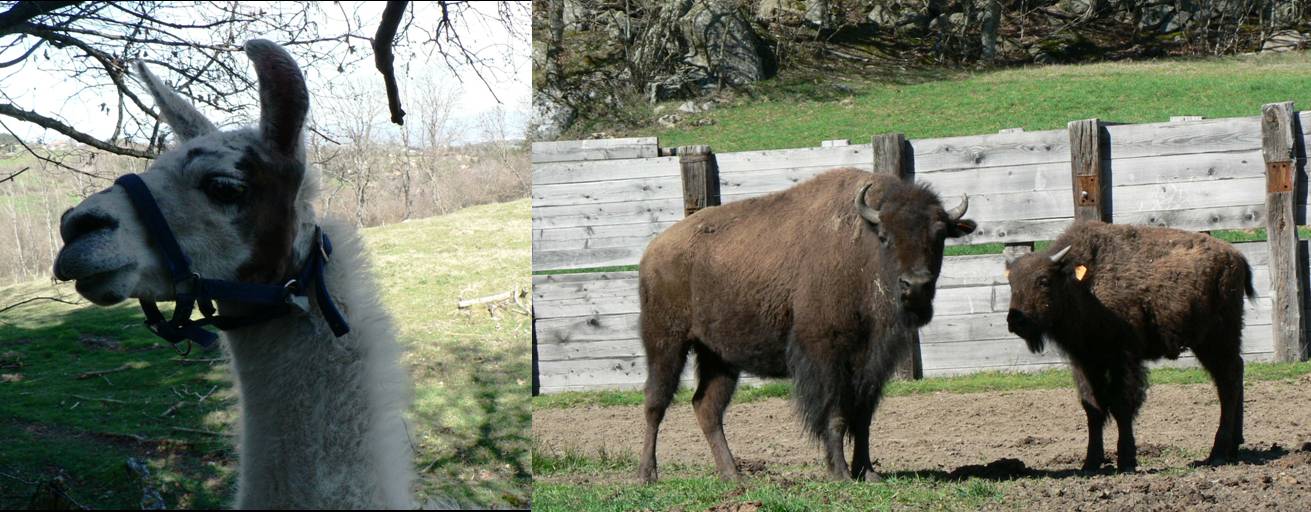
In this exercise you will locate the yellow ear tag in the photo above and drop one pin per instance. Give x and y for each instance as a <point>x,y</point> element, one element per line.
<point>1006,274</point>
<point>1079,272</point>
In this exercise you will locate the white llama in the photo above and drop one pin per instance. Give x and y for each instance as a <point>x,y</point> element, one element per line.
<point>321,422</point>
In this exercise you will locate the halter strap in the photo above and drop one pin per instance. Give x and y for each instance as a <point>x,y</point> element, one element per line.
<point>191,291</point>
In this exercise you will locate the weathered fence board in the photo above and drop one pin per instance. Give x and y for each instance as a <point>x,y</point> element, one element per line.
<point>992,150</point>
<point>587,325</point>
<point>1205,136</point>
<point>599,149</point>
<point>604,192</point>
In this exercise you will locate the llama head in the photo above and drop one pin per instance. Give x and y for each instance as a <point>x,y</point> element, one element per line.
<point>237,201</point>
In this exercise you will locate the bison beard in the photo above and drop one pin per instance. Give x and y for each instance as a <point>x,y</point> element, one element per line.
<point>798,283</point>
<point>1114,296</point>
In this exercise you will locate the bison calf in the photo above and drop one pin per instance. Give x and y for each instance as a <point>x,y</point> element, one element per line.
<point>802,283</point>
<point>1113,296</point>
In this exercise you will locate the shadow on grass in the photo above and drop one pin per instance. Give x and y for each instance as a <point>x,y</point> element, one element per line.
<point>147,405</point>
<point>825,84</point>
<point>481,416</point>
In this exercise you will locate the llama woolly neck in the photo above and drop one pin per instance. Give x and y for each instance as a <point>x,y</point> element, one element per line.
<point>321,422</point>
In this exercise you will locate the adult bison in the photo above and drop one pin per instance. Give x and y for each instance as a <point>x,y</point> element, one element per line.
<point>798,283</point>
<point>1113,296</point>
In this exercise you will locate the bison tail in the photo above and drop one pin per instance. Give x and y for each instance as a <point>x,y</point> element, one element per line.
<point>1247,284</point>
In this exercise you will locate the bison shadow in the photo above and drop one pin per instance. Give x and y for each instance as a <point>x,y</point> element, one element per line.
<point>1008,468</point>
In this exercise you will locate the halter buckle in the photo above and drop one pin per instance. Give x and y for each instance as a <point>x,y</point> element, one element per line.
<point>300,302</point>
<point>188,285</point>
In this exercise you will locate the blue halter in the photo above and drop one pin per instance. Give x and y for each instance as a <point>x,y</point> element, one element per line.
<point>192,290</point>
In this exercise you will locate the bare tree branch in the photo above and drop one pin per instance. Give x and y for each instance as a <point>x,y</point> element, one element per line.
<point>383,58</point>
<point>57,125</point>
<point>44,158</point>
<point>22,12</point>
<point>14,175</point>
<point>34,299</point>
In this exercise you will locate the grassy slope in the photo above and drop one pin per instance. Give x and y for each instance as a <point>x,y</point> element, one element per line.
<point>800,112</point>
<point>469,423</point>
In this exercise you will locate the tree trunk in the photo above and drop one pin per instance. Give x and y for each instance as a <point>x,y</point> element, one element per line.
<point>554,43</point>
<point>991,20</point>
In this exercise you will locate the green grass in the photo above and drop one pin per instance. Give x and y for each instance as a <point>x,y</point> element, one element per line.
<point>570,481</point>
<point>971,383</point>
<point>799,110</point>
<point>774,494</point>
<point>469,423</point>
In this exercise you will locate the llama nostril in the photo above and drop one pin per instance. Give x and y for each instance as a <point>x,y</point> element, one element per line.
<point>75,226</point>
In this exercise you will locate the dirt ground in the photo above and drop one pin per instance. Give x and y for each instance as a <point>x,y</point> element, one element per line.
<point>1035,440</point>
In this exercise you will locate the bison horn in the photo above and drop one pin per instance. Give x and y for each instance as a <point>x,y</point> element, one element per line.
<point>1056,258</point>
<point>959,211</point>
<point>867,213</point>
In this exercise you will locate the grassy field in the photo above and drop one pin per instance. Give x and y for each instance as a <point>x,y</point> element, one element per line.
<point>469,424</point>
<point>800,110</point>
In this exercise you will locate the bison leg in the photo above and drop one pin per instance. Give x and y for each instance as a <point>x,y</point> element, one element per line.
<point>861,467</point>
<point>1089,387</point>
<point>716,382</point>
<point>1130,383</point>
<point>664,367</point>
<point>1227,372</point>
<point>833,437</point>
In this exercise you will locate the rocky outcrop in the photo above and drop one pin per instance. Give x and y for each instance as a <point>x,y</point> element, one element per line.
<point>551,115</point>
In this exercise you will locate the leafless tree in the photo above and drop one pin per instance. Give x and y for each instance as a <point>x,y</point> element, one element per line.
<point>196,43</point>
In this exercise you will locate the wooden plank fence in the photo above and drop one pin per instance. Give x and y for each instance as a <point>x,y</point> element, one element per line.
<point>598,204</point>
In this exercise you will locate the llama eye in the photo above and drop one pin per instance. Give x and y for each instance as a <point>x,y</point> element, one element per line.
<point>224,189</point>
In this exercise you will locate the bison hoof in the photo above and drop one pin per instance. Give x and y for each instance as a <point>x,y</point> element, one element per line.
<point>1092,466</point>
<point>647,475</point>
<point>1127,468</point>
<point>869,476</point>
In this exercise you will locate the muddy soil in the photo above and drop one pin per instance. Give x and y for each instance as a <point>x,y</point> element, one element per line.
<point>1034,440</point>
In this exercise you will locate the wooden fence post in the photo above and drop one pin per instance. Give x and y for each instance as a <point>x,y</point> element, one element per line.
<point>700,178</point>
<point>1277,146</point>
<point>891,157</point>
<point>1088,152</point>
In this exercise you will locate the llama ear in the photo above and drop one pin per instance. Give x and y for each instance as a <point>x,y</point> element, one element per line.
<point>283,98</point>
<point>181,116</point>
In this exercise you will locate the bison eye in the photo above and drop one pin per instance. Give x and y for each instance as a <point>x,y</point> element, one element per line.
<point>1043,280</point>
<point>224,189</point>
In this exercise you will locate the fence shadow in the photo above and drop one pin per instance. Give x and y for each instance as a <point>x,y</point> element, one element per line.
<point>481,417</point>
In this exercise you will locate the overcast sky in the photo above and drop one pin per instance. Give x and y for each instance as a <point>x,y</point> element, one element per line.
<point>32,88</point>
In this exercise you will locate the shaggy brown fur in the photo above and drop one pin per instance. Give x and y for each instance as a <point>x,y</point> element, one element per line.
<point>795,283</point>
<point>1146,293</point>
